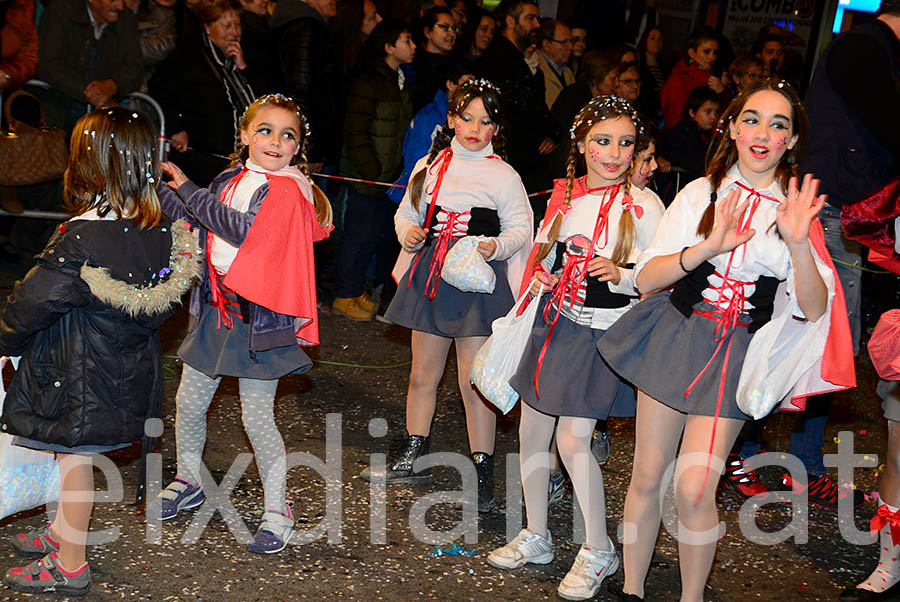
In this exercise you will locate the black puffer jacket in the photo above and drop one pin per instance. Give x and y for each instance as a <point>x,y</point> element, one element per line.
<point>378,113</point>
<point>84,320</point>
<point>310,72</point>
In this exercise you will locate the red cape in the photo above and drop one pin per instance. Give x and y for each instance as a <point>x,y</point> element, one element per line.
<point>838,366</point>
<point>871,222</point>
<point>274,266</point>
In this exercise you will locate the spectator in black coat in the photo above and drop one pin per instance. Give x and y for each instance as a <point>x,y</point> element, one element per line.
<point>204,92</point>
<point>433,60</point>
<point>310,71</point>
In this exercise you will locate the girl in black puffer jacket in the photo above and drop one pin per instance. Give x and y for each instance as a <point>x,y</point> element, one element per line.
<point>85,322</point>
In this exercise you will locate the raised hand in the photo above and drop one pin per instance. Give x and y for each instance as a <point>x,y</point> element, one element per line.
<point>177,177</point>
<point>796,213</point>
<point>727,233</point>
<point>604,270</point>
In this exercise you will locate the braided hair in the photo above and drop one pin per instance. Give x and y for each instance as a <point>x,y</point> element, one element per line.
<point>598,109</point>
<point>725,154</point>
<point>465,93</point>
<point>241,153</point>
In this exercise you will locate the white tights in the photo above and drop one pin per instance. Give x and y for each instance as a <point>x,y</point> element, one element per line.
<point>657,434</point>
<point>574,440</point>
<point>195,392</point>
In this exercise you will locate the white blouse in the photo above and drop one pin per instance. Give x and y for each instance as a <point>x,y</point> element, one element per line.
<point>763,255</point>
<point>473,179</point>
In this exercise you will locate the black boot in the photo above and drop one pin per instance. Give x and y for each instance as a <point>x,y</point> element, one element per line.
<point>400,468</point>
<point>484,467</point>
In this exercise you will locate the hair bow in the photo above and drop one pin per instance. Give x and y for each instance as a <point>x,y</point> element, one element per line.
<point>628,204</point>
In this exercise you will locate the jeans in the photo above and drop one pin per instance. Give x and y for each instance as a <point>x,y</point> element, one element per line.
<point>368,230</point>
<point>808,435</point>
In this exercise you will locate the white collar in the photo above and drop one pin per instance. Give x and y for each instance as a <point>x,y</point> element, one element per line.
<point>462,152</point>
<point>734,176</point>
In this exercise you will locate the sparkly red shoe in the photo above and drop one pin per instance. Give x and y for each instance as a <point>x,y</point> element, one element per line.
<point>824,492</point>
<point>741,480</point>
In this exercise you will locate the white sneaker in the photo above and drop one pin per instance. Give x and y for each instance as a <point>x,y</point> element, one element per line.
<point>526,547</point>
<point>590,568</point>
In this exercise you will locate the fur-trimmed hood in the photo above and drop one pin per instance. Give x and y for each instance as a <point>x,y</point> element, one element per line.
<point>185,267</point>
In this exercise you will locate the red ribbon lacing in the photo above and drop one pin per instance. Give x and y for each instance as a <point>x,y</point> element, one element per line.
<point>447,234</point>
<point>571,281</point>
<point>218,290</point>
<point>727,314</point>
<point>883,517</point>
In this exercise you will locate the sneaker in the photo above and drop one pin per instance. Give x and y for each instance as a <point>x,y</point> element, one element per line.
<point>274,532</point>
<point>590,568</point>
<point>526,547</point>
<point>600,444</point>
<point>46,576</point>
<point>824,492</point>
<point>741,480</point>
<point>177,496</point>
<point>347,307</point>
<point>557,490</point>
<point>35,543</point>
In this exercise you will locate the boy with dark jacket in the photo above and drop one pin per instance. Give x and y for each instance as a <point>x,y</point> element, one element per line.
<point>379,109</point>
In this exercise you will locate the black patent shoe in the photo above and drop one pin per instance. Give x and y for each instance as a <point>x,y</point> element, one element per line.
<point>400,468</point>
<point>484,467</point>
<point>855,594</point>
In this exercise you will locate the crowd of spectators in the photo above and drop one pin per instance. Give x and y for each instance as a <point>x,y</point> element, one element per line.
<point>205,60</point>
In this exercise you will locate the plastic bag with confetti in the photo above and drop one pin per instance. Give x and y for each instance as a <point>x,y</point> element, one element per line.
<point>28,478</point>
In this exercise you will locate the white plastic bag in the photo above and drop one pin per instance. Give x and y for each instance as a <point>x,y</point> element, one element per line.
<point>465,268</point>
<point>499,357</point>
<point>28,478</point>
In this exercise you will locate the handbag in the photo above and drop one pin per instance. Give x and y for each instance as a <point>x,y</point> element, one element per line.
<point>465,268</point>
<point>30,155</point>
<point>499,357</point>
<point>28,478</point>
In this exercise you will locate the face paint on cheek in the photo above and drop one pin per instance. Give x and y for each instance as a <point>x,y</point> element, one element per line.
<point>594,155</point>
<point>780,142</point>
<point>489,135</point>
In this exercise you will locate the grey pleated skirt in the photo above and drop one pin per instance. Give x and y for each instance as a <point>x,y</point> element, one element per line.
<point>661,352</point>
<point>452,313</point>
<point>225,351</point>
<point>574,379</point>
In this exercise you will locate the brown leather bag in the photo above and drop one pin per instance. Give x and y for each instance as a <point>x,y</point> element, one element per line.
<point>30,155</point>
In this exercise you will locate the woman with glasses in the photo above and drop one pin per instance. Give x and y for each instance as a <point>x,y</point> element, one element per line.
<point>440,31</point>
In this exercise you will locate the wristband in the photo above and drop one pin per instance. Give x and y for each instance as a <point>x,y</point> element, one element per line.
<point>681,260</point>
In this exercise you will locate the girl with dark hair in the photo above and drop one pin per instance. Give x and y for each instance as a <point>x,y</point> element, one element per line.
<point>256,304</point>
<point>589,241</point>
<point>461,188</point>
<point>86,317</point>
<point>477,35</point>
<point>753,301</point>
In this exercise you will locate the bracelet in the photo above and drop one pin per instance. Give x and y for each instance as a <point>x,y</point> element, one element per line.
<point>681,260</point>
